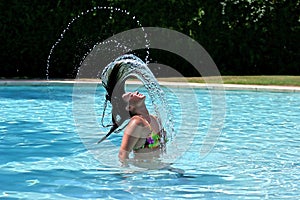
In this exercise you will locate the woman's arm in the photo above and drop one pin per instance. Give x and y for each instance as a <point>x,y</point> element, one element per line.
<point>130,137</point>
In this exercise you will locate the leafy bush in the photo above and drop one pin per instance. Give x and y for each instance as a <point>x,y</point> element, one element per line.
<point>244,37</point>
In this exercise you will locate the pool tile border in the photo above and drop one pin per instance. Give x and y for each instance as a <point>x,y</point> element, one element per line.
<point>270,88</point>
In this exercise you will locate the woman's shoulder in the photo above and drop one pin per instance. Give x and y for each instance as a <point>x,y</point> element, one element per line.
<point>137,120</point>
<point>154,117</point>
<point>135,126</point>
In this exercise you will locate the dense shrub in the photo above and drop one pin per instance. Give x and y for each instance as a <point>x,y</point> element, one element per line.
<point>242,36</point>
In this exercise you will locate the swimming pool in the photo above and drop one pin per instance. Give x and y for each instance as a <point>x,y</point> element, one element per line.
<point>43,157</point>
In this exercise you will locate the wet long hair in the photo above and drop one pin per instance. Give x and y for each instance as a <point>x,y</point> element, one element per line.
<point>113,78</point>
<point>115,88</point>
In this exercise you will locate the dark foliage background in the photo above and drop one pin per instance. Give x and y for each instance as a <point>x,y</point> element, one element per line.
<point>244,37</point>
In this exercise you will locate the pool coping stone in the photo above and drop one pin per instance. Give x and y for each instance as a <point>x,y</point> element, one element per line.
<point>270,88</point>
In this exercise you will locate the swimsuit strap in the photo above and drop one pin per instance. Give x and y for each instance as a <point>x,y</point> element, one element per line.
<point>143,118</point>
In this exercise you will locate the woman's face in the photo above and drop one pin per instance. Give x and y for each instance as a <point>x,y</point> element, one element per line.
<point>133,98</point>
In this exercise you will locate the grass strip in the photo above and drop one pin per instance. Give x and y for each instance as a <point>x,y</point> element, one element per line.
<point>244,80</point>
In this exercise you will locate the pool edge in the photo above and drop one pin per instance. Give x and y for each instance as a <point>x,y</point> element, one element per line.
<point>270,88</point>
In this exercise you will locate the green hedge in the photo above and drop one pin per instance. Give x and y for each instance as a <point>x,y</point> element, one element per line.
<point>244,37</point>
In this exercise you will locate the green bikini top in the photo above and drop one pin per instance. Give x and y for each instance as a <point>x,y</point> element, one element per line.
<point>152,140</point>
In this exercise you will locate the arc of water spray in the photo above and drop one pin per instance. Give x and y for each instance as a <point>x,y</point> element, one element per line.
<point>85,13</point>
<point>128,66</point>
<point>162,39</point>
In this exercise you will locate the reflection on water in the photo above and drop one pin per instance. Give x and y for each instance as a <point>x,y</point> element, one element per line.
<point>256,156</point>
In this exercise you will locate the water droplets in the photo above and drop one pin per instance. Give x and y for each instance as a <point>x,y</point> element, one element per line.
<point>92,10</point>
<point>134,66</point>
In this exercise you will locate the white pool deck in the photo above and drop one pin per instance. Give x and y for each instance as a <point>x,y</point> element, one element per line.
<point>270,88</point>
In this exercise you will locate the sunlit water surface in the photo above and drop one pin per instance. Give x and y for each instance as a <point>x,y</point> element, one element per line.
<point>256,157</point>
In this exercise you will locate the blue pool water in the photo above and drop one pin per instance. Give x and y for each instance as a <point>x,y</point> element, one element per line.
<point>44,157</point>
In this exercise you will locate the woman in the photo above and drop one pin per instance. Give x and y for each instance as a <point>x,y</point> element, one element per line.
<point>142,135</point>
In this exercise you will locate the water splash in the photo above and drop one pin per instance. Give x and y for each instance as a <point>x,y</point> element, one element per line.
<point>131,66</point>
<point>96,8</point>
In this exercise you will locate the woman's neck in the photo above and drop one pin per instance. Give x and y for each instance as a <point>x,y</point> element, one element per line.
<point>142,111</point>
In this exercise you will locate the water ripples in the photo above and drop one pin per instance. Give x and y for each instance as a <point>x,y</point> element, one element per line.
<point>256,157</point>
